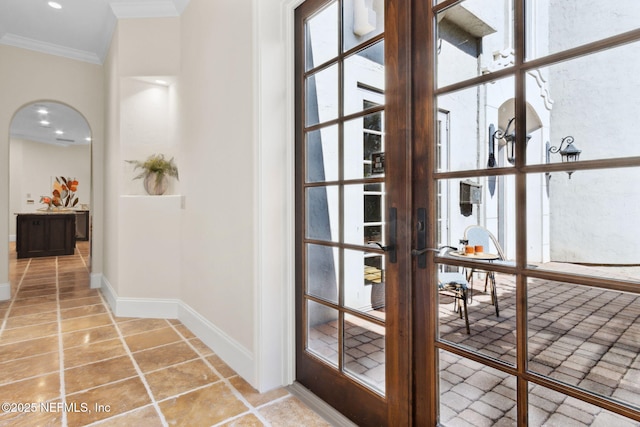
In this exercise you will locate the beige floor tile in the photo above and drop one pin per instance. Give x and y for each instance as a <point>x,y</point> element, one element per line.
<point>83,292</point>
<point>79,302</point>
<point>114,398</point>
<point>154,338</point>
<point>137,326</point>
<point>201,347</point>
<point>38,389</point>
<point>86,310</point>
<point>35,300</point>
<point>185,331</point>
<point>41,417</point>
<point>94,352</point>
<point>253,397</point>
<point>27,367</point>
<point>147,417</point>
<point>76,324</point>
<point>28,348</point>
<point>248,420</point>
<point>31,319</point>
<point>203,407</point>
<point>33,309</point>
<point>28,332</point>
<point>291,412</point>
<point>88,336</point>
<point>222,368</point>
<point>99,373</point>
<point>180,378</point>
<point>161,357</point>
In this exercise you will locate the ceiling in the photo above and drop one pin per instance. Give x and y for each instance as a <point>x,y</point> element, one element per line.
<point>80,30</point>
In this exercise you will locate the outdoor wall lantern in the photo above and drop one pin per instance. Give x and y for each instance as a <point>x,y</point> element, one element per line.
<point>509,138</point>
<point>569,153</point>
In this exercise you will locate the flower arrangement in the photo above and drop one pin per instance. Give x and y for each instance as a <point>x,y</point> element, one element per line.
<point>46,200</point>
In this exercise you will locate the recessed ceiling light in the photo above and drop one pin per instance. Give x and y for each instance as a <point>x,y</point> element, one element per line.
<point>88,139</point>
<point>44,123</point>
<point>59,132</point>
<point>55,5</point>
<point>162,82</point>
<point>43,111</point>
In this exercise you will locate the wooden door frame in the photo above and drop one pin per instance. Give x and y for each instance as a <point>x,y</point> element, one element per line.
<point>398,87</point>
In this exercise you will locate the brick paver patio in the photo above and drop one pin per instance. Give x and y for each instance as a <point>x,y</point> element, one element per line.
<point>582,336</point>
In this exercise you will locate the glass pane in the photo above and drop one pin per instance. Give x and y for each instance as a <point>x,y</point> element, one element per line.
<point>488,202</point>
<point>364,282</point>
<point>586,337</point>
<point>586,224</point>
<point>475,115</point>
<point>321,39</point>
<point>364,354</point>
<point>363,140</point>
<point>363,215</point>
<point>561,25</point>
<point>363,20</point>
<point>550,408</point>
<point>472,394</point>
<point>322,155</point>
<point>489,300</point>
<point>322,332</point>
<point>473,39</point>
<point>322,208</point>
<point>364,79</point>
<point>322,269</point>
<point>322,96</point>
<point>592,99</point>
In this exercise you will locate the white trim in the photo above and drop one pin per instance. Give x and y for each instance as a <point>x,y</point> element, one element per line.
<point>50,48</point>
<point>290,278</point>
<point>5,291</point>
<point>230,351</point>
<point>234,354</point>
<point>12,237</point>
<point>95,280</point>
<point>144,9</point>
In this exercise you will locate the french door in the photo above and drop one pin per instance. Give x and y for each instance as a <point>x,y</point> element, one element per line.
<point>420,119</point>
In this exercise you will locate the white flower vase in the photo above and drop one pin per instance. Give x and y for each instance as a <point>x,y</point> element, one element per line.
<point>155,187</point>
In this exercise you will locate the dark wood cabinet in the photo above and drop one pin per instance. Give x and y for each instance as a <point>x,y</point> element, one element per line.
<point>40,235</point>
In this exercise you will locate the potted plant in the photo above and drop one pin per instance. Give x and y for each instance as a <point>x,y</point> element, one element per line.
<point>155,171</point>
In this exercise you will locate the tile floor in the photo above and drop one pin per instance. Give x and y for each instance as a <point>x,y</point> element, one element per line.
<point>66,360</point>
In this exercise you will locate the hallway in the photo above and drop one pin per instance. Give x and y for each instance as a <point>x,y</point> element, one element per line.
<point>66,360</point>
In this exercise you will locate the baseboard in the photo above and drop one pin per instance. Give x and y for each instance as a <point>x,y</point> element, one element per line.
<point>319,406</point>
<point>230,351</point>
<point>5,291</point>
<point>233,353</point>
<point>148,308</point>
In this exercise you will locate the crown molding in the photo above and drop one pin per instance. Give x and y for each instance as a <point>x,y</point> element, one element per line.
<point>49,48</point>
<point>146,9</point>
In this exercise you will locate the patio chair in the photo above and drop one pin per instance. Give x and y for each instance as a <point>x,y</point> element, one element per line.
<point>455,285</point>
<point>478,235</point>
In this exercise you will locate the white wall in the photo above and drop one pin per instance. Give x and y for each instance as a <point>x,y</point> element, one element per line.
<point>224,118</point>
<point>217,121</point>
<point>76,84</point>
